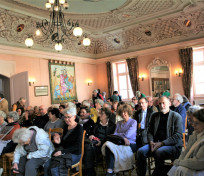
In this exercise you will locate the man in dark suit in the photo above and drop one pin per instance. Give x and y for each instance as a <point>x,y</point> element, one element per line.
<point>164,137</point>
<point>142,117</point>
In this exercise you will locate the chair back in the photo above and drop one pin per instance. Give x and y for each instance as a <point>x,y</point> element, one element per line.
<point>55,130</point>
<point>82,146</point>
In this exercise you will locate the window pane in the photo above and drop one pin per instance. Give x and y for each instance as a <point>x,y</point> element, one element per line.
<point>121,68</point>
<point>198,70</point>
<point>122,82</point>
<point>199,88</point>
<point>124,94</point>
<point>198,56</point>
<point>130,94</point>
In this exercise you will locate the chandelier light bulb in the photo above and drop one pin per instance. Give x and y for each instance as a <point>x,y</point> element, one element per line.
<point>56,8</point>
<point>61,1</point>
<point>47,5</point>
<point>58,46</point>
<point>77,31</point>
<point>51,1</point>
<point>29,42</point>
<point>86,41</point>
<point>37,32</point>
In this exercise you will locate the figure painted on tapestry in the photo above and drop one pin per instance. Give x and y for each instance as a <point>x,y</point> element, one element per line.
<point>63,86</point>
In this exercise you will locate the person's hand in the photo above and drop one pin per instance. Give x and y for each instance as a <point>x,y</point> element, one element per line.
<point>58,153</point>
<point>127,142</point>
<point>99,143</point>
<point>152,146</point>
<point>15,168</point>
<point>157,145</point>
<point>56,138</point>
<point>91,137</point>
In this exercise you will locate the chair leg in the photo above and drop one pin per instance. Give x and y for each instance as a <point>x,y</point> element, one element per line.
<point>80,169</point>
<point>4,164</point>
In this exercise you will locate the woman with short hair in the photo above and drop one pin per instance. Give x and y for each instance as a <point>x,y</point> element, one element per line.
<point>127,130</point>
<point>191,160</point>
<point>33,150</point>
<point>54,120</point>
<point>69,144</point>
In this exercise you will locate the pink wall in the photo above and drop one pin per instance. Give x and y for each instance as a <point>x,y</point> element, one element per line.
<point>38,69</point>
<point>172,57</point>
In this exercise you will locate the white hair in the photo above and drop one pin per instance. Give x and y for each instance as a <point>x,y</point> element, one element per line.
<point>3,114</point>
<point>71,105</point>
<point>21,135</point>
<point>179,97</point>
<point>99,101</point>
<point>86,103</point>
<point>193,109</point>
<point>14,115</point>
<point>71,110</point>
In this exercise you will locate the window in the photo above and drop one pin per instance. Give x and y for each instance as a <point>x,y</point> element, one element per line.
<point>198,72</point>
<point>122,80</point>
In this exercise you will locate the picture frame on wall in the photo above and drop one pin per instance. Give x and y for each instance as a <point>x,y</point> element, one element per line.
<point>41,91</point>
<point>62,82</point>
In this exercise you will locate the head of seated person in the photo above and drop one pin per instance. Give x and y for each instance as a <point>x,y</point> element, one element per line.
<point>53,114</point>
<point>198,121</point>
<point>125,111</point>
<point>84,113</point>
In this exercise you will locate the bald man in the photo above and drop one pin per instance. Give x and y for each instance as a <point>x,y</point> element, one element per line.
<point>42,119</point>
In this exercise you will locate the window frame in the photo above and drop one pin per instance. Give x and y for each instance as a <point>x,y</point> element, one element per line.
<point>201,63</point>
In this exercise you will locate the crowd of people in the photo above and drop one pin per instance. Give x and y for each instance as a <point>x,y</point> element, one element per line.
<point>146,126</point>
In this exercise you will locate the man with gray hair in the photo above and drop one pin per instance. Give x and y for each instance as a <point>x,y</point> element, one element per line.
<point>177,103</point>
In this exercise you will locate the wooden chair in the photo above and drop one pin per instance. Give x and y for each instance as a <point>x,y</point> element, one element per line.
<point>55,130</point>
<point>184,134</point>
<point>80,162</point>
<point>7,158</point>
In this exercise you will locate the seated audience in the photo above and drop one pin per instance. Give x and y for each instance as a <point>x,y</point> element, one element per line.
<point>54,120</point>
<point>142,117</point>
<point>19,104</point>
<point>114,107</point>
<point>3,104</point>
<point>178,107</point>
<point>115,96</point>
<point>164,136</point>
<point>36,110</point>
<point>42,118</point>
<point>95,96</point>
<point>190,112</point>
<point>33,150</point>
<point>191,160</point>
<point>93,150</point>
<point>127,130</point>
<point>85,121</point>
<point>9,146</point>
<point>135,101</point>
<point>93,111</point>
<point>98,104</point>
<point>150,104</point>
<point>186,104</point>
<point>104,96</point>
<point>20,111</point>
<point>28,115</point>
<point>61,109</point>
<point>2,119</point>
<point>69,144</point>
<point>139,94</point>
<point>112,117</point>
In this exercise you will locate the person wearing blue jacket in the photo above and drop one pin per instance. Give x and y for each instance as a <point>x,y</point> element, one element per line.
<point>177,103</point>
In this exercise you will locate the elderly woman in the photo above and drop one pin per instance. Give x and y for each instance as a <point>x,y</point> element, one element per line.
<point>33,150</point>
<point>54,120</point>
<point>12,119</point>
<point>191,161</point>
<point>69,144</point>
<point>190,112</point>
<point>127,130</point>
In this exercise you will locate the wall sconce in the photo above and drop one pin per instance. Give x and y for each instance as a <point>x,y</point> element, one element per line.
<point>31,82</point>
<point>141,77</point>
<point>178,73</point>
<point>89,83</point>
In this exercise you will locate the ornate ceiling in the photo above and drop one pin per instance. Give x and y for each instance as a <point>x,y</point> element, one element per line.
<point>114,26</point>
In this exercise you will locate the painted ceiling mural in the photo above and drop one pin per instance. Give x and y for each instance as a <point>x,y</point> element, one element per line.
<point>130,25</point>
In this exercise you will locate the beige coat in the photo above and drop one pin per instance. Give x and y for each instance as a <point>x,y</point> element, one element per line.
<point>4,106</point>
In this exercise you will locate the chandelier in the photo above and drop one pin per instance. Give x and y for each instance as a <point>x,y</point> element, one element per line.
<point>58,29</point>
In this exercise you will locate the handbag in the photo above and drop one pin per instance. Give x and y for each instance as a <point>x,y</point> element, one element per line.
<point>118,140</point>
